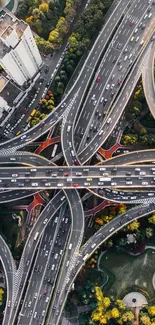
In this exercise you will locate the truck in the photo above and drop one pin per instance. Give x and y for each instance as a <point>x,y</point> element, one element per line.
<point>105,179</point>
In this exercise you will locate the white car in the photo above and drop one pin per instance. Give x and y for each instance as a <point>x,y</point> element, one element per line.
<point>35,314</point>
<point>145,183</point>
<point>14,175</point>
<point>60,184</point>
<point>47,299</point>
<point>113,184</point>
<point>45,221</point>
<point>34,184</point>
<point>47,184</point>
<point>12,159</point>
<point>107,87</point>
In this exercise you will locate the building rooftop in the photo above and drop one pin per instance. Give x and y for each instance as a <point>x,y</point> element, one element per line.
<point>10,92</point>
<point>9,23</point>
<point>3,82</point>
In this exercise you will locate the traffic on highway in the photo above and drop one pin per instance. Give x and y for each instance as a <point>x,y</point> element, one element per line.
<point>84,120</point>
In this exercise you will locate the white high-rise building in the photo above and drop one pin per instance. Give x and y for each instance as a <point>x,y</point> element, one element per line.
<point>19,55</point>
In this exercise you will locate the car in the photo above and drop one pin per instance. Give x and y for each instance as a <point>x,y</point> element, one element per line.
<point>75,185</point>
<point>137,38</point>
<point>47,299</point>
<point>131,22</point>
<point>29,304</point>
<point>86,184</point>
<point>120,67</point>
<point>113,184</point>
<point>93,97</point>
<point>12,159</point>
<point>35,314</point>
<point>112,86</point>
<point>9,303</point>
<point>14,175</point>
<point>118,81</point>
<point>34,184</point>
<point>45,221</point>
<point>35,296</point>
<point>56,256</point>
<point>140,212</point>
<point>129,183</point>
<point>97,79</point>
<point>145,183</point>
<point>89,179</point>
<point>78,174</point>
<point>107,87</point>
<point>146,15</point>
<point>47,184</point>
<point>132,38</point>
<point>42,122</point>
<point>43,313</point>
<point>100,183</point>
<point>45,292</point>
<point>150,194</point>
<point>60,184</point>
<point>75,162</point>
<point>66,173</point>
<point>95,102</point>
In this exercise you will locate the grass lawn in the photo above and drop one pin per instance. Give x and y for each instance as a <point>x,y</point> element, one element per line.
<point>126,271</point>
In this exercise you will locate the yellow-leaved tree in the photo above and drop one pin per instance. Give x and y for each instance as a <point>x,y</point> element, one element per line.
<point>133,226</point>
<point>151,310</point>
<point>115,313</point>
<point>145,320</point>
<point>44,7</point>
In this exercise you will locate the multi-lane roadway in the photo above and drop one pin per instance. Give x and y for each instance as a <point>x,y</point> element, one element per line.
<point>52,256</point>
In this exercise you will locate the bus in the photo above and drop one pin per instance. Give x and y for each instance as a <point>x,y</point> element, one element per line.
<point>105,179</point>
<point>36,235</point>
<point>85,257</point>
<point>54,150</point>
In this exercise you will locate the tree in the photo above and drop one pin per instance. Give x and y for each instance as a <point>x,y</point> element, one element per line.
<point>120,304</point>
<point>151,310</point>
<point>99,221</point>
<point>145,320</point>
<point>106,302</point>
<point>130,139</point>
<point>44,6</point>
<point>127,316</point>
<point>152,219</point>
<point>149,232</point>
<point>115,313</point>
<point>133,226</point>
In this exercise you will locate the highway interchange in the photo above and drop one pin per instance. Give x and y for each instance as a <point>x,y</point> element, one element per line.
<point>52,255</point>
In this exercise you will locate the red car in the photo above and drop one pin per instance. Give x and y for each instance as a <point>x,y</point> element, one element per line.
<point>97,79</point>
<point>118,81</point>
<point>75,162</point>
<point>66,174</point>
<point>45,292</point>
<point>75,185</point>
